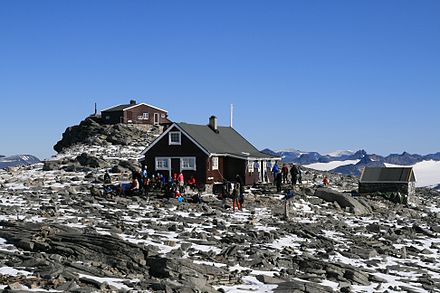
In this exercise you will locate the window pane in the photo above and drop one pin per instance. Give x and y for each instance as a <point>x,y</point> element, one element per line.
<point>175,137</point>
<point>214,163</point>
<point>188,163</point>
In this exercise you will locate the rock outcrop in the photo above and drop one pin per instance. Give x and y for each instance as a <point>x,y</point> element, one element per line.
<point>91,132</point>
<point>344,201</point>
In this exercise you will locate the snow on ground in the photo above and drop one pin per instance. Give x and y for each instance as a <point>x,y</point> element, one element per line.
<point>166,241</point>
<point>330,165</point>
<point>427,172</point>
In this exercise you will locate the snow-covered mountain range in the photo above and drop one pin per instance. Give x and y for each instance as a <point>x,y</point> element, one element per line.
<point>426,167</point>
<point>17,160</point>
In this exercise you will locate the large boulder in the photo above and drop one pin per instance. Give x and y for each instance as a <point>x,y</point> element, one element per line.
<point>344,200</point>
<point>52,165</point>
<point>91,161</point>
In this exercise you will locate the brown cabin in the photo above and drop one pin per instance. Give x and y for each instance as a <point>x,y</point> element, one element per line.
<point>134,113</point>
<point>388,179</point>
<point>210,153</point>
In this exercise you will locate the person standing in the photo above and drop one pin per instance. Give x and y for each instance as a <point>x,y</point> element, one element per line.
<point>294,174</point>
<point>235,196</point>
<point>299,174</point>
<point>241,194</point>
<point>285,171</point>
<point>275,171</point>
<point>278,181</point>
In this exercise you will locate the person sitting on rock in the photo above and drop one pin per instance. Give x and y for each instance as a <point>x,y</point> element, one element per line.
<point>192,183</point>
<point>196,198</point>
<point>107,178</point>
<point>134,186</point>
<point>325,181</point>
<point>181,182</point>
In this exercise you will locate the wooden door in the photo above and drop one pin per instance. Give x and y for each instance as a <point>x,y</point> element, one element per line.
<point>175,166</point>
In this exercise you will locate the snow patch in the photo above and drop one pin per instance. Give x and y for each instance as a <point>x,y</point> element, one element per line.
<point>331,165</point>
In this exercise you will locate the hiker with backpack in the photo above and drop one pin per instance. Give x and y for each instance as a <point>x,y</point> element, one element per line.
<point>294,174</point>
<point>241,193</point>
<point>285,172</point>
<point>275,170</point>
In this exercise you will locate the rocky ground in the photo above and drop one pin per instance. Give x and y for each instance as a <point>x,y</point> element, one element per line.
<point>58,236</point>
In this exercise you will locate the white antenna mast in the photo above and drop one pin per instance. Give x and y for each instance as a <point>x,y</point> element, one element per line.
<point>232,109</point>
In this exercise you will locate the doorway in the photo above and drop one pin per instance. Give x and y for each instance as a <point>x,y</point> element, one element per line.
<point>175,166</point>
<point>156,118</point>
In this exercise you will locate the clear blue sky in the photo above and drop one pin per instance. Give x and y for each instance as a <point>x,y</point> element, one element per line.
<point>312,75</point>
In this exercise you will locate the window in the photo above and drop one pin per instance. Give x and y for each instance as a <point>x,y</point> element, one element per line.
<point>250,166</point>
<point>107,117</point>
<point>188,163</point>
<point>162,115</point>
<point>214,163</point>
<point>162,163</point>
<point>174,137</point>
<point>145,116</point>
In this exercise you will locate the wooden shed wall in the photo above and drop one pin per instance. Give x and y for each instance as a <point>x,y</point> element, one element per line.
<point>112,117</point>
<point>136,115</point>
<point>404,188</point>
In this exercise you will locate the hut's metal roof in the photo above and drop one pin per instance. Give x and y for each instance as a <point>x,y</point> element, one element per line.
<point>387,174</point>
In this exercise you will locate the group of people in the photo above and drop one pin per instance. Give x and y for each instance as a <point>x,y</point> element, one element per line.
<point>142,183</point>
<point>281,175</point>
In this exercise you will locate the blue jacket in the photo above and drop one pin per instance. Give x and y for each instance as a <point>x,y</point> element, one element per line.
<point>275,169</point>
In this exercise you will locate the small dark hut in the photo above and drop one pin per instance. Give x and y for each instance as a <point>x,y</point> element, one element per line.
<point>388,179</point>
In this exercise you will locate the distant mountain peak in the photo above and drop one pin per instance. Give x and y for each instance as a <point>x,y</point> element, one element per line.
<point>17,160</point>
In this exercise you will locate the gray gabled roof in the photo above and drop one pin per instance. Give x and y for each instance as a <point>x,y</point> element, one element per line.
<point>128,106</point>
<point>387,174</point>
<point>226,141</point>
<point>117,108</point>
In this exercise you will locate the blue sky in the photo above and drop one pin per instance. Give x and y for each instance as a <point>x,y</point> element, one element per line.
<point>311,75</point>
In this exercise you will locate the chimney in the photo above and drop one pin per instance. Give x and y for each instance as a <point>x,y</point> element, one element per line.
<point>132,102</point>
<point>213,123</point>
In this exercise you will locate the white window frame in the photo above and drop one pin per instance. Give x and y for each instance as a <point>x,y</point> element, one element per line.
<point>214,162</point>
<point>250,166</point>
<point>162,115</point>
<point>188,163</point>
<point>170,135</point>
<point>145,116</point>
<point>159,163</point>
